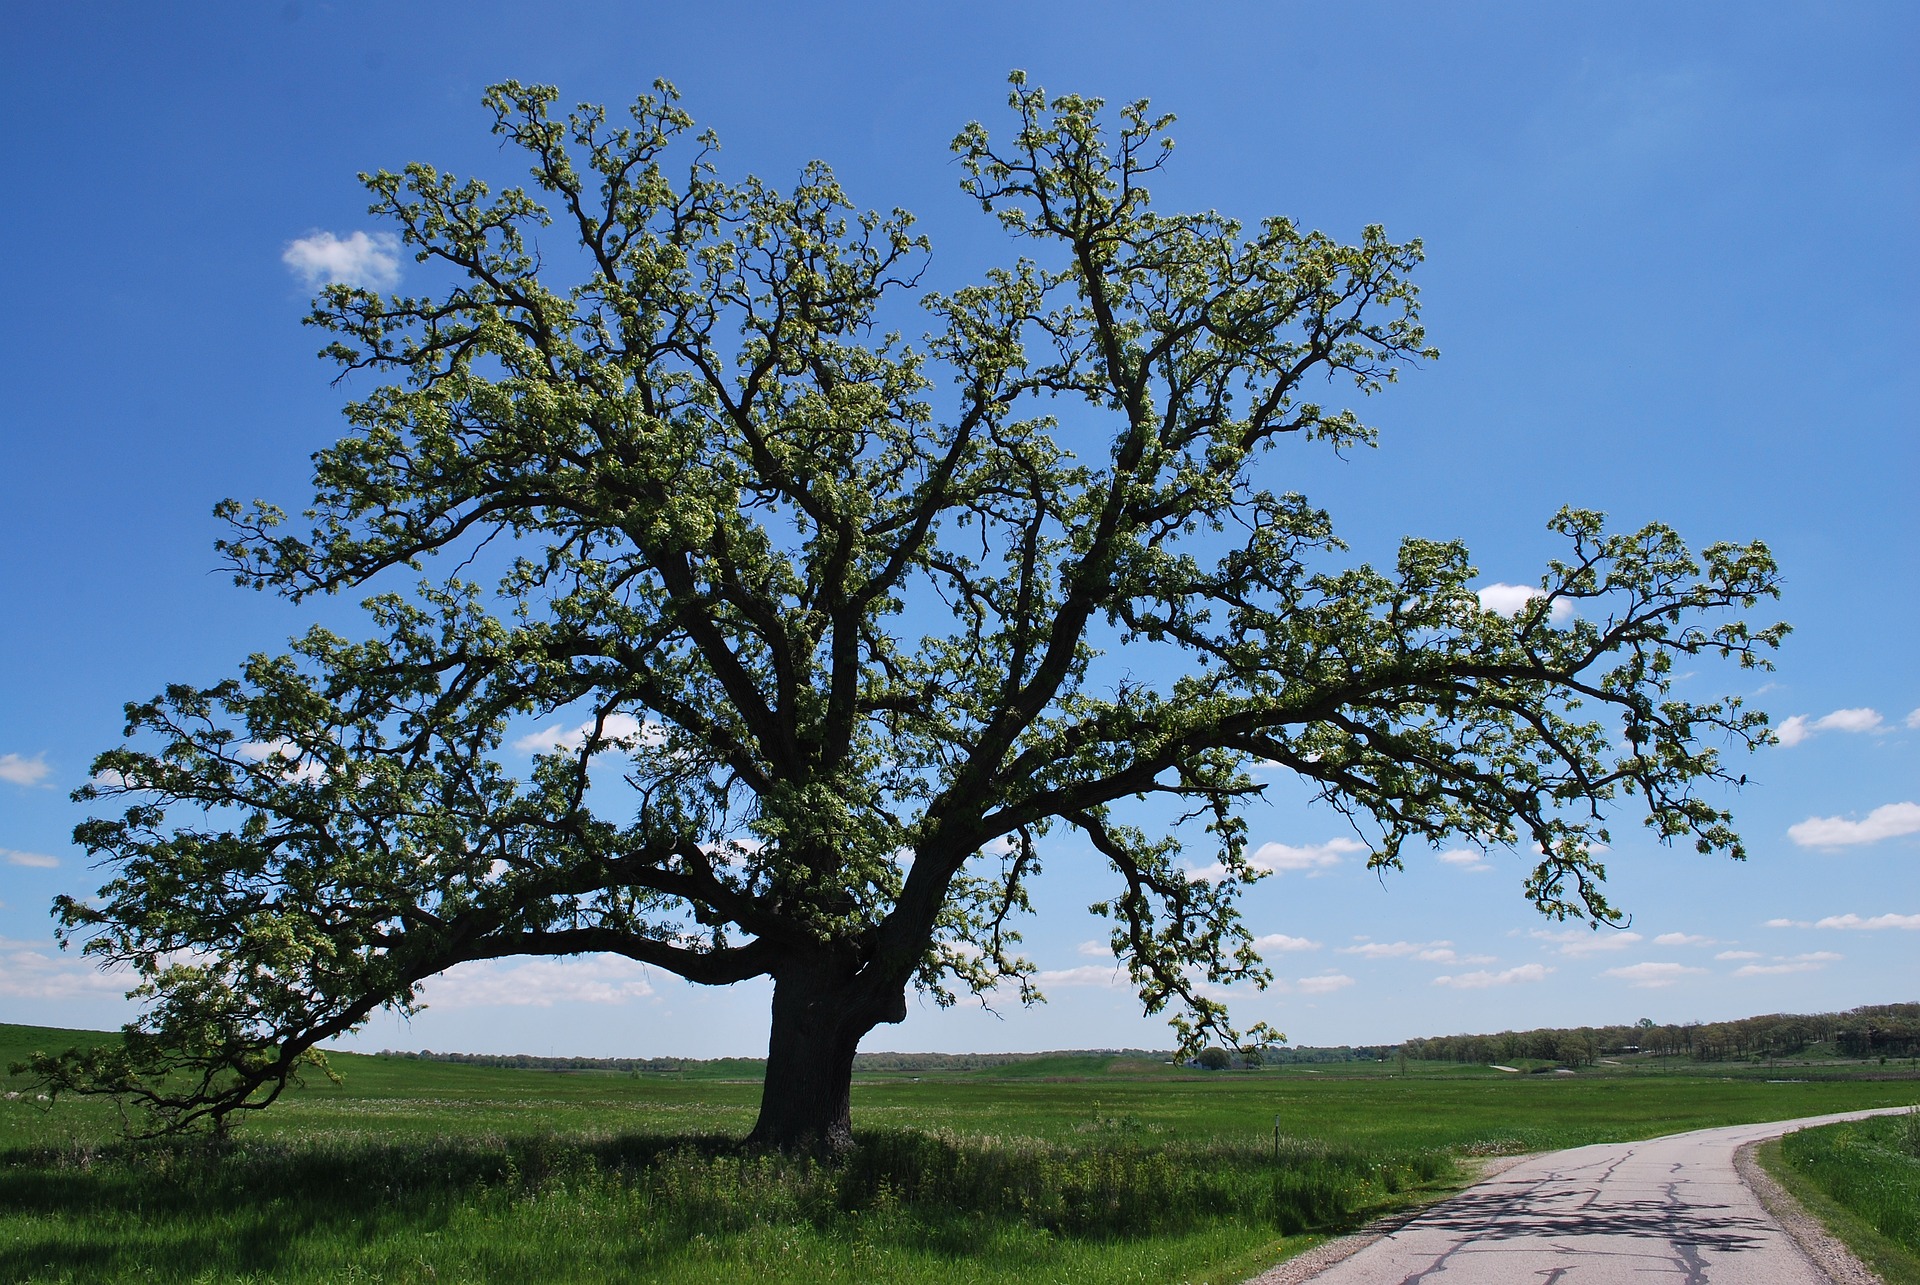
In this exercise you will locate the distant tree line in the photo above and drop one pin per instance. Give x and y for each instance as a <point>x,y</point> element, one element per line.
<point>534,1062</point>
<point>1874,1030</point>
<point>751,1066</point>
<point>1281,1055</point>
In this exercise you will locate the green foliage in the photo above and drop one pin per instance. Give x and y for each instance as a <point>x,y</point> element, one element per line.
<point>1865,1165</point>
<point>833,604</point>
<point>1868,1031</point>
<point>1214,1058</point>
<point>1870,1169</point>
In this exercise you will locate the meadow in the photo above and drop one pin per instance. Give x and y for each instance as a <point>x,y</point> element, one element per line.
<point>1086,1168</point>
<point>1862,1179</point>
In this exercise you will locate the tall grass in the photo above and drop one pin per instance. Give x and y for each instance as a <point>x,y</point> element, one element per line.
<point>564,1207</point>
<point>1871,1167</point>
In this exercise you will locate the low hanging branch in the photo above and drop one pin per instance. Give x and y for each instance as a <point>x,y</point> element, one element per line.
<point>858,622</point>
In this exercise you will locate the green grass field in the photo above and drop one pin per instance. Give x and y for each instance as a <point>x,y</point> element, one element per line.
<point>1088,1169</point>
<point>1862,1179</point>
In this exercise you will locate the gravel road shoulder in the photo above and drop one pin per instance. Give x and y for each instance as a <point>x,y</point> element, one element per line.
<point>1822,1249</point>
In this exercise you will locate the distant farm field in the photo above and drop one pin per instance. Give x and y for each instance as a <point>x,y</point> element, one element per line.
<point>1084,1169</point>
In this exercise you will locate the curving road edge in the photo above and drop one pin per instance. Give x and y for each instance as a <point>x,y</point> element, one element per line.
<point>1674,1209</point>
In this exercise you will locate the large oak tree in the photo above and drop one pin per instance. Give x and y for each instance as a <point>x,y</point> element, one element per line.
<point>853,621</point>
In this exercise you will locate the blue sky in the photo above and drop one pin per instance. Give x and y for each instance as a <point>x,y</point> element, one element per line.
<point>1671,268</point>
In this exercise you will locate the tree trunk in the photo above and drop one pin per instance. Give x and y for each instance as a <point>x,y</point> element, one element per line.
<point>817,1026</point>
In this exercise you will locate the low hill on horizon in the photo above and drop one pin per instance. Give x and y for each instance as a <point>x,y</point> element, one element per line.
<point>1866,1032</point>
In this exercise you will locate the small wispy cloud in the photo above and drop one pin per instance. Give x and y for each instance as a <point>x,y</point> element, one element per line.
<point>1464,859</point>
<point>1888,821</point>
<point>1507,977</point>
<point>1106,975</point>
<point>29,970</point>
<point>36,860</point>
<point>1325,984</point>
<point>1811,962</point>
<point>1313,858</point>
<point>1651,976</point>
<point>23,771</point>
<point>1586,941</point>
<point>1855,923</point>
<point>539,983</point>
<point>283,751</point>
<point>1432,952</point>
<point>1794,730</point>
<point>369,260</point>
<point>1282,942</point>
<point>618,730</point>
<point>1738,954</point>
<point>1393,949</point>
<point>1508,599</point>
<point>1913,719</point>
<point>1683,939</point>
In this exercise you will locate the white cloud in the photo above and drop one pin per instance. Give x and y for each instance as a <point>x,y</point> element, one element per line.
<point>1852,921</point>
<point>539,983</point>
<point>622,728</point>
<point>1464,859</point>
<point>285,750</point>
<point>1683,939</point>
<point>1913,719</point>
<point>1798,728</point>
<point>38,860</point>
<point>1738,954</point>
<point>359,259</point>
<point>1280,941</point>
<point>28,971</point>
<point>1586,941</point>
<point>1792,730</point>
<point>1392,949</point>
<point>1108,975</point>
<point>1325,984</point>
<point>1096,949</point>
<point>1888,821</point>
<point>1508,599</point>
<point>1482,980</point>
<point>1312,858</point>
<point>1650,975</point>
<point>1788,923</point>
<point>1811,962</point>
<point>1434,952</point>
<point>23,771</point>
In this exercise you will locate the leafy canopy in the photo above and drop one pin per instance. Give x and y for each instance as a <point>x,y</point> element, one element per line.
<point>855,619</point>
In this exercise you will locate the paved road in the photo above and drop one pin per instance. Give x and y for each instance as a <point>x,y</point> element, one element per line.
<point>1666,1210</point>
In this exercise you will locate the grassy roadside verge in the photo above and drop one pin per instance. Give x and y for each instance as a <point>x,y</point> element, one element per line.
<point>1858,1181</point>
<point>908,1206</point>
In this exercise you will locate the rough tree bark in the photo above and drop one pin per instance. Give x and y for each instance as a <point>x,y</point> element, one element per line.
<point>818,1022</point>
